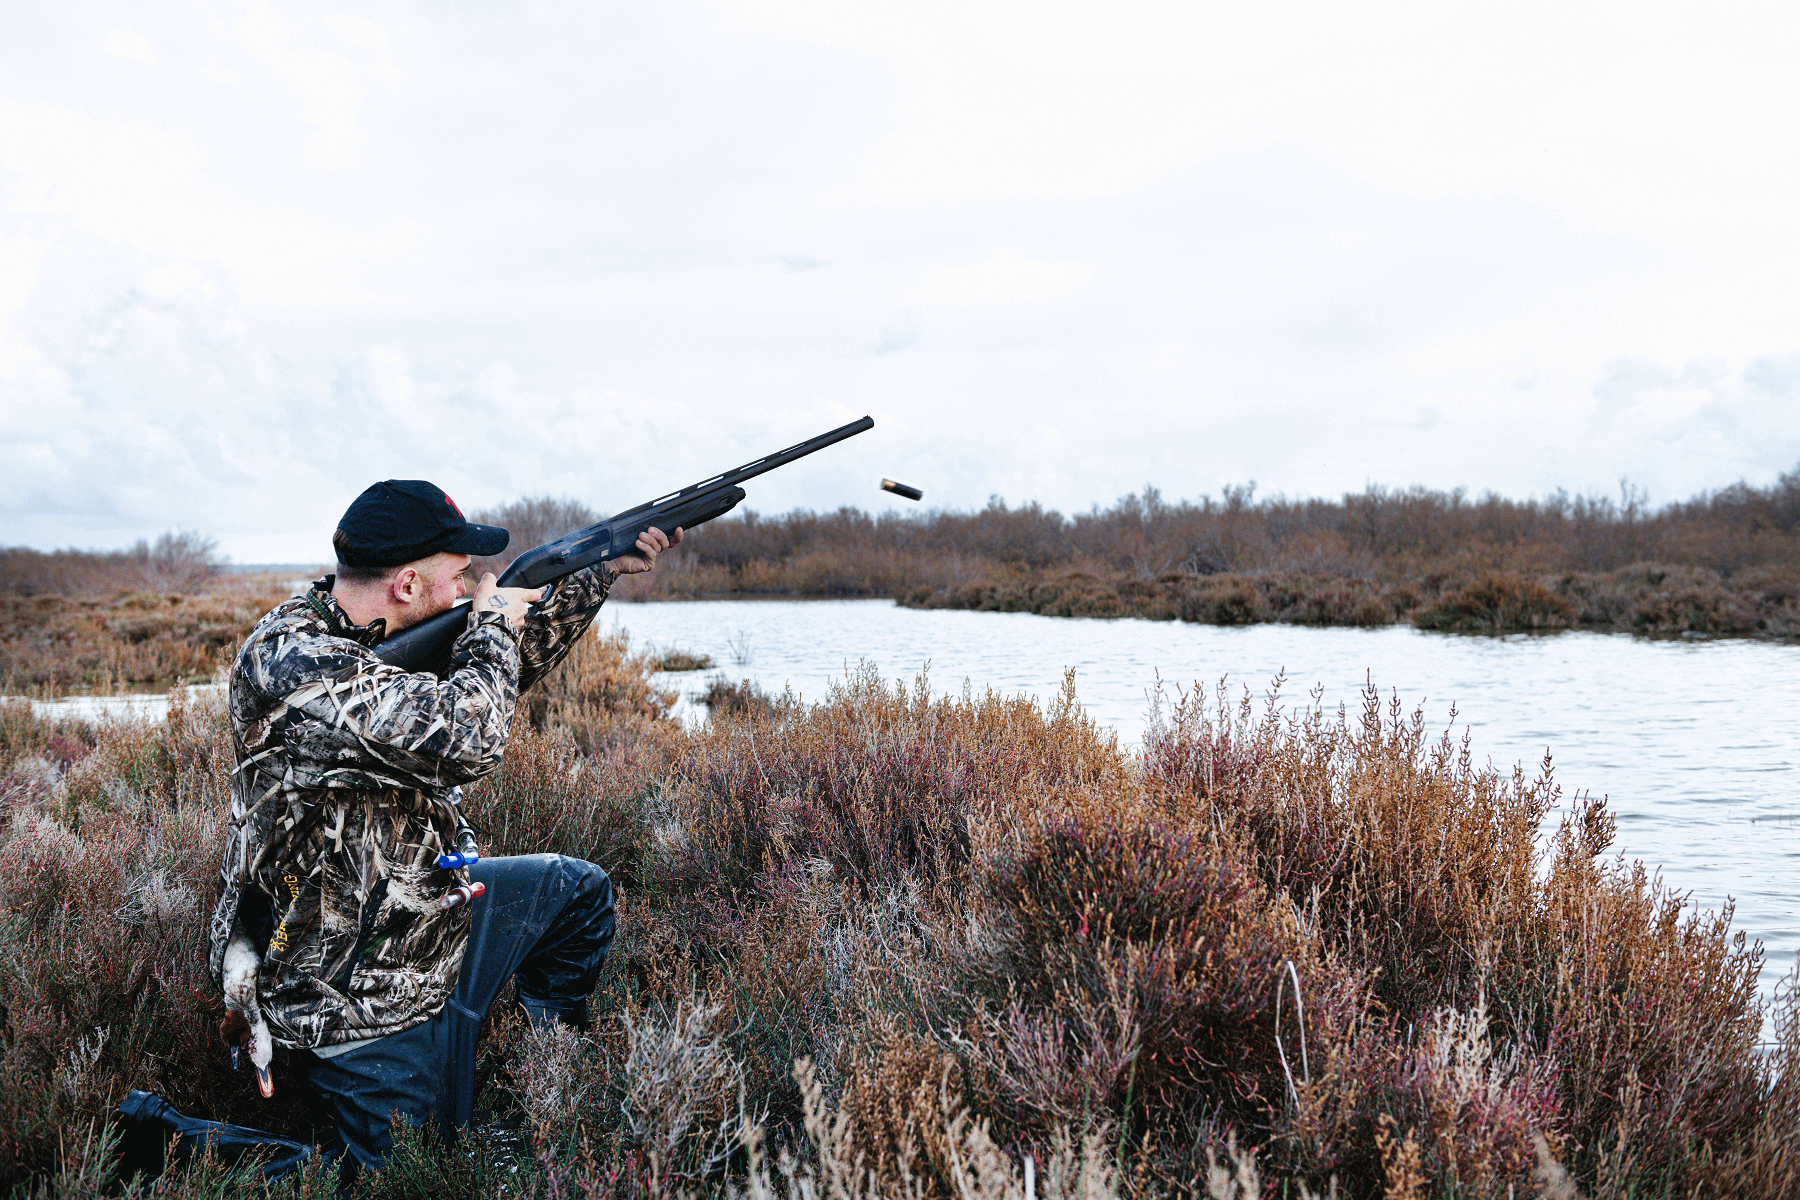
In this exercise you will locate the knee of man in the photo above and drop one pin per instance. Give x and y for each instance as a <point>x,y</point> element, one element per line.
<point>591,880</point>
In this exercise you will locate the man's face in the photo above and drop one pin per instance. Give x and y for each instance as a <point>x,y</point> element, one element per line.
<point>446,583</point>
<point>431,585</point>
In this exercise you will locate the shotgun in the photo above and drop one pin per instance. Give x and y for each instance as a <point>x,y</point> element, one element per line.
<point>426,646</point>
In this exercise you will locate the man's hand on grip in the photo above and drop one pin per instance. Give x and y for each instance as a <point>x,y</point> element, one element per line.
<point>511,603</point>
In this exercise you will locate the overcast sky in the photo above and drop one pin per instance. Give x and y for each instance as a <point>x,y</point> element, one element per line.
<point>255,256</point>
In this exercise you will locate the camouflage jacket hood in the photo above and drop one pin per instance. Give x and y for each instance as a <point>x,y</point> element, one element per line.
<point>338,812</point>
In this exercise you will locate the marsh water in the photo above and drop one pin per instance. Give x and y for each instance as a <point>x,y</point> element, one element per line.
<point>1696,744</point>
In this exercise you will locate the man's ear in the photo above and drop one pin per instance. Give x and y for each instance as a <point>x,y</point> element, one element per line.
<point>405,585</point>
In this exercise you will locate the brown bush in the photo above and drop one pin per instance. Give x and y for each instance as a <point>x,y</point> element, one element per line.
<point>1273,951</point>
<point>52,645</point>
<point>1221,600</point>
<point>602,687</point>
<point>1691,605</point>
<point>551,797</point>
<point>726,700</point>
<point>1498,604</point>
<point>181,561</point>
<point>106,874</point>
<point>1314,601</point>
<point>1424,869</point>
<point>1127,969</point>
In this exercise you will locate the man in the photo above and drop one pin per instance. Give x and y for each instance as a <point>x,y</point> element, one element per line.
<point>337,932</point>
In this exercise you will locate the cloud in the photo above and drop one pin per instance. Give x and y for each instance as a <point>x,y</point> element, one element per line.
<point>1004,277</point>
<point>899,334</point>
<point>327,63</point>
<point>1055,250</point>
<point>1689,427</point>
<point>144,187</point>
<point>1639,120</point>
<point>142,399</point>
<point>123,43</point>
<point>1775,376</point>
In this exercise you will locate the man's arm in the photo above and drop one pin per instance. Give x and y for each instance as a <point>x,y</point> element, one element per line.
<point>555,623</point>
<point>359,722</point>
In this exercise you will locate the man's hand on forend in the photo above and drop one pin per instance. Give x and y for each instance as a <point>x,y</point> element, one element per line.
<point>650,543</point>
<point>510,602</point>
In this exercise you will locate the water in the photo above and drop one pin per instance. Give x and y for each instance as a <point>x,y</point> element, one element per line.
<point>141,706</point>
<point>1695,743</point>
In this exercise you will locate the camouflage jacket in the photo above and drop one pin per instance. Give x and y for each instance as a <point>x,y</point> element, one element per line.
<point>338,812</point>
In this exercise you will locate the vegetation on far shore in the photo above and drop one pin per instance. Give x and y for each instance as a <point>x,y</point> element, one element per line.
<point>153,617</point>
<point>1724,563</point>
<point>126,641</point>
<point>893,945</point>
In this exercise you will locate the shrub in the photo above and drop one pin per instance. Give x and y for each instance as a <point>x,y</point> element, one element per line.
<point>1498,604</point>
<point>1126,971</point>
<point>602,688</point>
<point>1475,1112</point>
<point>1273,952</point>
<point>1431,875</point>
<point>673,660</point>
<point>52,645</point>
<point>1353,602</point>
<point>880,783</point>
<point>744,698</point>
<point>105,893</point>
<point>1222,600</point>
<point>1694,606</point>
<point>550,797</point>
<point>684,1092</point>
<point>180,561</point>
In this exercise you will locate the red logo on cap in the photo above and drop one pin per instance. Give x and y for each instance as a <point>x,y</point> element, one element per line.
<point>452,504</point>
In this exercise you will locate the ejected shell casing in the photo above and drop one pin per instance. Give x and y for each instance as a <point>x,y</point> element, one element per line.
<point>902,489</point>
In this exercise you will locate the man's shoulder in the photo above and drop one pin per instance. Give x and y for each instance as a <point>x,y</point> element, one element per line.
<point>289,623</point>
<point>292,612</point>
<point>291,646</point>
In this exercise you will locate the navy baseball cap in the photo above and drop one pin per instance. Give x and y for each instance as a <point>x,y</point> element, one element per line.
<point>399,521</point>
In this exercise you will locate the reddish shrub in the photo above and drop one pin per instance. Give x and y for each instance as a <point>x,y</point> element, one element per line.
<point>1498,604</point>
<point>1128,967</point>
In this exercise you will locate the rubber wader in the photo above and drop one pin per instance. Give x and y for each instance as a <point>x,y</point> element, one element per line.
<point>149,1122</point>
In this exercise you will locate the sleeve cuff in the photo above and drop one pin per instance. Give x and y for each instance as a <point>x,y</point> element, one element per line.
<point>493,620</point>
